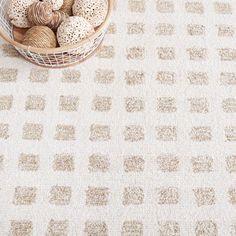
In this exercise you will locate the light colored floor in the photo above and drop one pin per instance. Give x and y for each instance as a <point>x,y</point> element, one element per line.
<point>139,140</point>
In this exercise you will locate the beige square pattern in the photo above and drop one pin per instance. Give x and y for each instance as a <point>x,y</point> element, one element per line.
<point>139,140</point>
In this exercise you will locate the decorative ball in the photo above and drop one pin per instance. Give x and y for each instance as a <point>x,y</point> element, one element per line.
<point>56,4</point>
<point>17,12</point>
<point>40,37</point>
<point>57,19</point>
<point>73,30</point>
<point>67,7</point>
<point>94,11</point>
<point>40,13</point>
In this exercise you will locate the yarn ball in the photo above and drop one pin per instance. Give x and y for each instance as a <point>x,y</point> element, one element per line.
<point>40,13</point>
<point>57,19</point>
<point>73,30</point>
<point>94,11</point>
<point>40,37</point>
<point>56,4</point>
<point>17,12</point>
<point>67,6</point>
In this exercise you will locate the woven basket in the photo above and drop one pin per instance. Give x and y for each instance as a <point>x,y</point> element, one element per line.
<point>56,57</point>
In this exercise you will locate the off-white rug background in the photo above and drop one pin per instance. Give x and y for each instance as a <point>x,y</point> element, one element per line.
<point>142,211</point>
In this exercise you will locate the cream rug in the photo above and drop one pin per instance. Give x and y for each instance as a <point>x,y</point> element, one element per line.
<point>138,140</point>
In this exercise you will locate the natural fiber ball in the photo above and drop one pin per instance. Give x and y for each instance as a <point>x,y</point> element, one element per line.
<point>40,13</point>
<point>17,12</point>
<point>40,37</point>
<point>94,11</point>
<point>67,6</point>
<point>56,4</point>
<point>57,19</point>
<point>73,30</point>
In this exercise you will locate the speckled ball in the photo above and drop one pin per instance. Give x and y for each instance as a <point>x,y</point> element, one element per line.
<point>73,30</point>
<point>56,4</point>
<point>94,11</point>
<point>17,12</point>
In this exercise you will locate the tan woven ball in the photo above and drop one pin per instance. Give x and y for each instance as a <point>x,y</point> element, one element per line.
<point>94,11</point>
<point>17,12</point>
<point>73,30</point>
<point>67,7</point>
<point>40,13</point>
<point>57,19</point>
<point>40,37</point>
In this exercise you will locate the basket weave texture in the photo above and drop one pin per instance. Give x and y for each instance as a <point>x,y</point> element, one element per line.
<point>53,57</point>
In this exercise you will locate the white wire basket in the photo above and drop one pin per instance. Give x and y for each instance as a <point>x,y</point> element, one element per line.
<point>57,57</point>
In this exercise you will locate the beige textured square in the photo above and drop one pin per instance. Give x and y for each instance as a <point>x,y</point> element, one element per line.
<point>95,228</point>
<point>32,131</point>
<point>201,134</point>
<point>39,75</point>
<point>63,162</point>
<point>194,7</point>
<point>68,103</point>
<point>57,227</point>
<point>65,132</point>
<point>206,228</point>
<point>165,6</point>
<point>204,196</point>
<point>97,196</point>
<point>102,104</point>
<point>21,228</point>
<point>166,105</point>
<point>8,75</point>
<point>134,104</point>
<point>4,131</point>
<point>168,163</point>
<point>132,228</point>
<point>133,77</point>
<point>167,196</point>
<point>133,196</point>
<point>99,133</point>
<point>133,133</point>
<point>104,76</point>
<point>202,164</point>
<point>98,163</point>
<point>168,228</point>
<point>166,133</point>
<point>136,5</point>
<point>35,102</point>
<point>60,195</point>
<point>24,195</point>
<point>6,102</point>
<point>166,77</point>
<point>28,162</point>
<point>71,76</point>
<point>231,164</point>
<point>135,53</point>
<point>134,164</point>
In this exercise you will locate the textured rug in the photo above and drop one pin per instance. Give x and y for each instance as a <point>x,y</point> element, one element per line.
<point>138,140</point>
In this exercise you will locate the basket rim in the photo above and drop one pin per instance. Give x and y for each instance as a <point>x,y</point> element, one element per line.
<point>65,48</point>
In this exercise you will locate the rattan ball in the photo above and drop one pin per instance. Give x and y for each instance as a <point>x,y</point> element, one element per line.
<point>57,19</point>
<point>73,30</point>
<point>40,13</point>
<point>56,4</point>
<point>67,7</point>
<point>94,11</point>
<point>17,12</point>
<point>40,37</point>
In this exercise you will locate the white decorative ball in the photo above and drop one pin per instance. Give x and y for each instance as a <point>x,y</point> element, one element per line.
<point>17,12</point>
<point>73,30</point>
<point>94,11</point>
<point>56,4</point>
